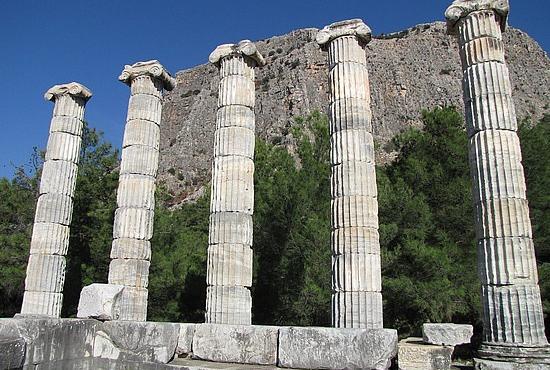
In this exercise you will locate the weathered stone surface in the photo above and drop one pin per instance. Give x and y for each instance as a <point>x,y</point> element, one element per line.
<point>245,344</point>
<point>129,272</point>
<point>334,348</point>
<point>42,303</point>
<point>482,364</point>
<point>50,238</point>
<point>13,352</point>
<point>228,305</point>
<point>417,355</point>
<point>133,304</point>
<point>447,334</point>
<point>354,309</point>
<point>185,339</point>
<point>136,341</point>
<point>99,301</point>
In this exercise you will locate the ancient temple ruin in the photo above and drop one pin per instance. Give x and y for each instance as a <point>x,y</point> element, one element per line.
<point>112,332</point>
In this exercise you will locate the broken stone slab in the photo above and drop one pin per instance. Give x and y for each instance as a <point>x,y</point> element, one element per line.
<point>414,354</point>
<point>185,340</point>
<point>447,334</point>
<point>99,301</point>
<point>136,341</point>
<point>335,348</point>
<point>12,350</point>
<point>245,344</point>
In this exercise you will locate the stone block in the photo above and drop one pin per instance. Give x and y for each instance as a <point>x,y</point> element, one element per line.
<point>99,301</point>
<point>228,305</point>
<point>229,264</point>
<point>141,132</point>
<point>129,272</point>
<point>235,116</point>
<point>50,238</point>
<point>139,160</point>
<point>54,208</point>
<point>345,50</point>
<point>414,354</point>
<point>351,145</point>
<point>145,107</point>
<point>185,339</point>
<point>483,364</point>
<point>70,125</point>
<point>63,146</point>
<point>350,114</point>
<point>355,240</point>
<point>45,273</point>
<point>354,211</point>
<point>353,178</point>
<point>132,304</point>
<point>246,344</point>
<point>356,272</point>
<point>131,248</point>
<point>237,90</point>
<point>336,348</point>
<point>447,334</point>
<point>43,303</point>
<point>136,191</point>
<point>58,177</point>
<point>230,227</point>
<point>12,351</point>
<point>133,223</point>
<point>349,80</point>
<point>501,218</point>
<point>357,310</point>
<point>136,341</point>
<point>237,141</point>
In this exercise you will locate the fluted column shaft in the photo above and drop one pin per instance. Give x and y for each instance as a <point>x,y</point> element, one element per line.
<point>133,224</point>
<point>229,269</point>
<point>356,271</point>
<point>512,310</point>
<point>50,238</point>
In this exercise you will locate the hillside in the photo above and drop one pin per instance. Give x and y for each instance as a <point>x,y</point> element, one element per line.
<point>415,69</point>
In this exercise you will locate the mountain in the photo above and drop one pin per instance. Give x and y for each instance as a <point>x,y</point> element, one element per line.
<point>411,70</point>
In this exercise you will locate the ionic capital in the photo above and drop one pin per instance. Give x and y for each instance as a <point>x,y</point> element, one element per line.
<point>71,88</point>
<point>244,47</point>
<point>350,27</point>
<point>461,8</point>
<point>151,68</point>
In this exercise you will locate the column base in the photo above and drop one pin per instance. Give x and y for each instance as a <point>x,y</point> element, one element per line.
<point>482,364</point>
<point>519,355</point>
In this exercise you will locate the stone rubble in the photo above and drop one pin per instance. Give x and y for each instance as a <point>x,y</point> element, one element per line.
<point>447,334</point>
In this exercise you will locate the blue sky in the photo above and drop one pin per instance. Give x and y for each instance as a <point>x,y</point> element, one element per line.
<point>43,43</point>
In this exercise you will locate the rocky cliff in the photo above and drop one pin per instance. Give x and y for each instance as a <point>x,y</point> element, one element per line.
<point>411,70</point>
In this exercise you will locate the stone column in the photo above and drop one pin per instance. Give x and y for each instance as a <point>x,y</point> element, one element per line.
<point>356,275</point>
<point>50,236</point>
<point>133,225</point>
<point>229,270</point>
<point>512,310</point>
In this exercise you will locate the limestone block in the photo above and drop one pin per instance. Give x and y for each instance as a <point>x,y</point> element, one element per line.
<point>131,248</point>
<point>228,305</point>
<point>137,341</point>
<point>13,352</point>
<point>231,228</point>
<point>49,238</point>
<point>496,167</point>
<point>69,106</point>
<point>99,301</point>
<point>136,223</point>
<point>344,50</point>
<point>54,208</point>
<point>479,24</point>
<point>354,211</point>
<point>357,310</point>
<point>49,340</point>
<point>349,80</point>
<point>63,146</point>
<point>413,354</point>
<point>351,145</point>
<point>144,107</point>
<point>333,348</point>
<point>350,114</point>
<point>132,304</point>
<point>185,339</point>
<point>513,314</point>
<point>129,272</point>
<point>237,141</point>
<point>70,125</point>
<point>485,49</point>
<point>447,334</point>
<point>146,84</point>
<point>500,218</point>
<point>233,196</point>
<point>229,264</point>
<point>486,79</point>
<point>353,178</point>
<point>356,272</point>
<point>237,90</point>
<point>355,240</point>
<point>136,191</point>
<point>141,132</point>
<point>492,112</point>
<point>237,65</point>
<point>45,273</point>
<point>140,160</point>
<point>235,116</point>
<point>245,344</point>
<point>58,177</point>
<point>45,303</point>
<point>505,261</point>
<point>483,364</point>
<point>232,168</point>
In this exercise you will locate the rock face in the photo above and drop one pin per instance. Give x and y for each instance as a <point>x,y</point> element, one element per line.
<point>447,334</point>
<point>410,70</point>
